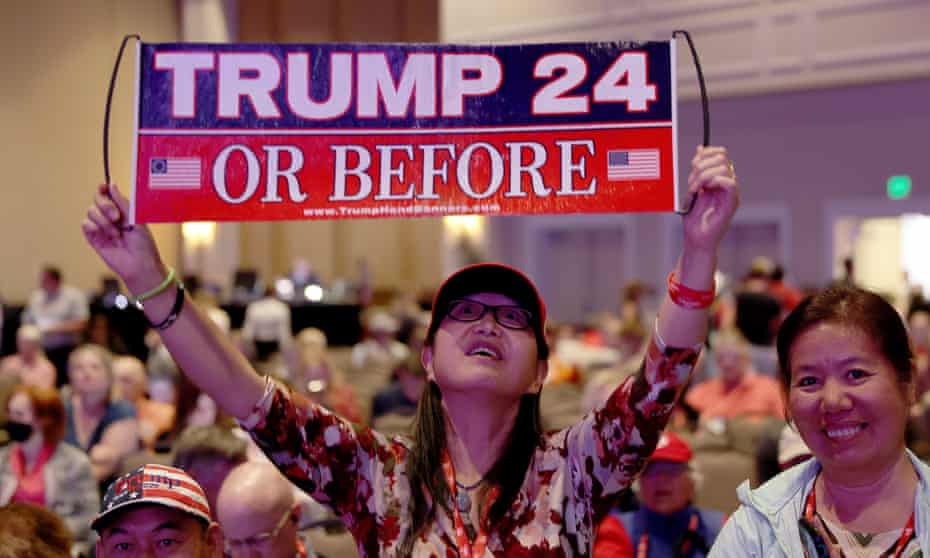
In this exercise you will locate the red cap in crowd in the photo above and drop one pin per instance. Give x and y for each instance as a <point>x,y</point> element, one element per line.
<point>672,448</point>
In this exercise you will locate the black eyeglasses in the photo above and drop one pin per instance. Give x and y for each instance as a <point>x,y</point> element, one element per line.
<point>511,317</point>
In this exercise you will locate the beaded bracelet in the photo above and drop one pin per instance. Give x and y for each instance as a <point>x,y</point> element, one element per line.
<point>162,287</point>
<point>175,310</point>
<point>687,297</point>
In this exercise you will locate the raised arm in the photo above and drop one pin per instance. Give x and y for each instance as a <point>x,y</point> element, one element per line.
<point>713,182</point>
<point>612,443</point>
<point>681,325</point>
<point>207,357</point>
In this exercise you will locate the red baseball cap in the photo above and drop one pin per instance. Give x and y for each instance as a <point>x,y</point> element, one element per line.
<point>672,448</point>
<point>492,278</point>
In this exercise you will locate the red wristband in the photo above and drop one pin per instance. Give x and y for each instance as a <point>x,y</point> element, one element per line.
<point>687,297</point>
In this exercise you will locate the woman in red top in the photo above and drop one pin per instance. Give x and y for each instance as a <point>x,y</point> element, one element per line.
<point>39,468</point>
<point>478,477</point>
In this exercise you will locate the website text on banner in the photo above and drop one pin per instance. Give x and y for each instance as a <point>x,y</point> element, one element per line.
<point>287,132</point>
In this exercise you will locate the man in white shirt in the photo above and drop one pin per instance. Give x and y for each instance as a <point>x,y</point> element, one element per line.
<point>267,325</point>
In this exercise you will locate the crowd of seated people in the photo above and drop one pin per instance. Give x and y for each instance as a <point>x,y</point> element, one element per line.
<point>66,443</point>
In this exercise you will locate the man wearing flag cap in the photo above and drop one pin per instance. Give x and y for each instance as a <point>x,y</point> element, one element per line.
<point>156,511</point>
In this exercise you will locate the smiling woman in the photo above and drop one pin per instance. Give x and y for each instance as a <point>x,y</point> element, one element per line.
<point>846,369</point>
<point>478,477</point>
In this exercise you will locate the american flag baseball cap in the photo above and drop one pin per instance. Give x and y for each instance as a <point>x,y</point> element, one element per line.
<point>154,484</point>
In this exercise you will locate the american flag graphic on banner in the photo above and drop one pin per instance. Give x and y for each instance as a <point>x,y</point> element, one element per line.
<point>633,164</point>
<point>174,173</point>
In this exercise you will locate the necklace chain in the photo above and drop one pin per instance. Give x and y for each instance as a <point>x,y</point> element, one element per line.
<point>469,487</point>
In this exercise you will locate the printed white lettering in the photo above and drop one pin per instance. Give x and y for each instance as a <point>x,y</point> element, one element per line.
<point>340,87</point>
<point>455,84</point>
<point>416,84</point>
<point>463,165</point>
<point>517,169</point>
<point>275,172</point>
<point>569,167</point>
<point>342,170</point>
<point>183,67</point>
<point>252,175</point>
<point>430,172</point>
<point>265,76</point>
<point>387,172</point>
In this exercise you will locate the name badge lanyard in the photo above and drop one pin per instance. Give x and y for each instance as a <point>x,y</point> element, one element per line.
<point>810,508</point>
<point>642,549</point>
<point>466,549</point>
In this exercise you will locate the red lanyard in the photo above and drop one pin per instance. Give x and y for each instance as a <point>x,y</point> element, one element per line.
<point>466,549</point>
<point>642,549</point>
<point>810,509</point>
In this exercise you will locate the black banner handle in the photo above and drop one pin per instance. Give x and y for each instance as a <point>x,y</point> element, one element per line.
<point>704,103</point>
<point>106,111</point>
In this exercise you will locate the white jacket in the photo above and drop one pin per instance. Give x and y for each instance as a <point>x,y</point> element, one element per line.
<point>766,524</point>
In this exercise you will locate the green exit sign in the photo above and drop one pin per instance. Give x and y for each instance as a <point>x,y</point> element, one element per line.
<point>898,186</point>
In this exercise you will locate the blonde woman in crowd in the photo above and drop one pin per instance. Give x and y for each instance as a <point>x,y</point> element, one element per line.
<point>316,375</point>
<point>130,384</point>
<point>105,429</point>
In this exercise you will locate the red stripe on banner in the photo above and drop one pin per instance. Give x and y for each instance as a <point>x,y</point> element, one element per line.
<point>423,175</point>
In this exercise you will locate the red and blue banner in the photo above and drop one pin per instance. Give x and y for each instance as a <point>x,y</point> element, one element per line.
<point>288,132</point>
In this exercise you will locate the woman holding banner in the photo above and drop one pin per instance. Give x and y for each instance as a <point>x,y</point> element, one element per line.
<point>478,477</point>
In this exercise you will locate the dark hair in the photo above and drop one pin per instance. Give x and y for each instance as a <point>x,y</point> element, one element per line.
<point>425,469</point>
<point>208,443</point>
<point>52,272</point>
<point>29,531</point>
<point>852,307</point>
<point>187,394</point>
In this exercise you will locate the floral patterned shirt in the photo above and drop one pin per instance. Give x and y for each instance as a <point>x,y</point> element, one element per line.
<point>569,487</point>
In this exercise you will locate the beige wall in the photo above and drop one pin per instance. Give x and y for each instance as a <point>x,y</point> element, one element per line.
<point>56,57</point>
<point>404,253</point>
